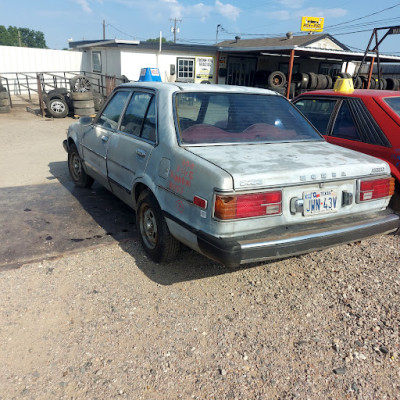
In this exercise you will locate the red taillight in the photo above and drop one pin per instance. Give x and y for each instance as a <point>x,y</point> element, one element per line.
<point>200,202</point>
<point>248,205</point>
<point>376,189</point>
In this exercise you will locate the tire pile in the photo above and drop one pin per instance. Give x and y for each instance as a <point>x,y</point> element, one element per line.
<point>85,102</point>
<point>277,81</point>
<point>4,100</point>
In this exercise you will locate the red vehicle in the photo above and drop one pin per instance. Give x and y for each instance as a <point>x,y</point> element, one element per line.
<point>364,120</point>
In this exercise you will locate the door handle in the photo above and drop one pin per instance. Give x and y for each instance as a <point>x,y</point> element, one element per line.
<point>141,153</point>
<point>104,138</point>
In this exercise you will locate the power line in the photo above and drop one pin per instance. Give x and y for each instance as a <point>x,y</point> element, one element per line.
<point>365,16</point>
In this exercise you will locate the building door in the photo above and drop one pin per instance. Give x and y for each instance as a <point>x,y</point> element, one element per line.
<point>241,71</point>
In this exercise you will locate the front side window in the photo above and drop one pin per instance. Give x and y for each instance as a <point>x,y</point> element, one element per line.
<point>239,118</point>
<point>139,118</point>
<point>110,116</point>
<point>345,127</point>
<point>394,104</point>
<point>317,111</point>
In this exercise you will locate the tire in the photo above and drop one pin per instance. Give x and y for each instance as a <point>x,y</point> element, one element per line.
<point>322,82</point>
<point>276,79</point>
<point>80,96</point>
<point>372,83</point>
<point>83,104</point>
<point>98,100</point>
<point>82,112</point>
<point>312,83</point>
<point>4,95</point>
<point>4,102</point>
<point>391,83</point>
<point>330,82</point>
<point>344,75</point>
<point>157,241</point>
<point>5,109</point>
<point>358,83</point>
<point>57,108</point>
<point>80,83</point>
<point>76,170</point>
<point>364,82</point>
<point>304,80</point>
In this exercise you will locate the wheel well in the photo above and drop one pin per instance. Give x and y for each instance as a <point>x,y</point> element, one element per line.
<point>71,142</point>
<point>139,188</point>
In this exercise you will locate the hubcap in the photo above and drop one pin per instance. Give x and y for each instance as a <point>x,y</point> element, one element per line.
<point>58,107</point>
<point>76,166</point>
<point>149,228</point>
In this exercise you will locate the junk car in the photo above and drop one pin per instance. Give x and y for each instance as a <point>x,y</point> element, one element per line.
<point>235,173</point>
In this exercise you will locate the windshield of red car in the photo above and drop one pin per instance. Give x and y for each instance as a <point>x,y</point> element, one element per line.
<point>394,104</point>
<point>239,118</point>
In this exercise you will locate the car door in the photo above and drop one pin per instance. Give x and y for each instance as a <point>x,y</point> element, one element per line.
<point>355,128</point>
<point>94,141</point>
<point>130,147</point>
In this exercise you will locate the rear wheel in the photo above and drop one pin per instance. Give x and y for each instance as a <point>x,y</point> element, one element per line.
<point>154,234</point>
<point>76,170</point>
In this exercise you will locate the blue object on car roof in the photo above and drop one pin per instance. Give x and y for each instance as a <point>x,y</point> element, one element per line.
<point>150,75</point>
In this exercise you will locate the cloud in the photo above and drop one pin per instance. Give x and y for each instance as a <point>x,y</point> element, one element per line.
<point>291,3</point>
<point>227,10</point>
<point>84,4</point>
<point>284,15</point>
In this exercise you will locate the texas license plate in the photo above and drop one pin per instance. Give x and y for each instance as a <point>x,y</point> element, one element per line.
<point>320,202</point>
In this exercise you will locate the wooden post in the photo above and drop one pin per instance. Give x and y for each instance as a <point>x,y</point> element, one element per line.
<point>40,94</point>
<point>371,67</point>
<point>289,81</point>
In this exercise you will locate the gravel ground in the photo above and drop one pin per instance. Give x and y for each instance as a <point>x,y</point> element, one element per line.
<point>108,323</point>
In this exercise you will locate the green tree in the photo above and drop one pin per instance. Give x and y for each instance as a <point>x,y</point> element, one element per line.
<point>24,37</point>
<point>157,40</point>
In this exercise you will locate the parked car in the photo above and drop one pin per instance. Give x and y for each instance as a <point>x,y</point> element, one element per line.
<point>362,120</point>
<point>235,173</point>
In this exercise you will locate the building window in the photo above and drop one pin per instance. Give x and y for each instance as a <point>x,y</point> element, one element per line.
<point>96,61</point>
<point>331,69</point>
<point>185,69</point>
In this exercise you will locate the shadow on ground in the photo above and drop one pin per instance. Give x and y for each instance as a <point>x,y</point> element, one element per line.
<point>51,219</point>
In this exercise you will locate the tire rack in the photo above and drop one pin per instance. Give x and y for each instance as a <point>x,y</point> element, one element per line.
<point>41,82</point>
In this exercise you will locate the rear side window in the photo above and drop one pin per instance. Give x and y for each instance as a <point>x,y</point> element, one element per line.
<point>394,104</point>
<point>239,118</point>
<point>344,125</point>
<point>317,111</point>
<point>110,116</point>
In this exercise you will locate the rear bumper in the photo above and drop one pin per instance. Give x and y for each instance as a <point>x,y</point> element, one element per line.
<point>293,240</point>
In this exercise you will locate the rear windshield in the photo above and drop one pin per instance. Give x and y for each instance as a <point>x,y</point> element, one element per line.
<point>239,118</point>
<point>394,104</point>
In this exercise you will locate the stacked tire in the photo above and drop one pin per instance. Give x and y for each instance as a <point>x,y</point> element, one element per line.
<point>83,103</point>
<point>4,101</point>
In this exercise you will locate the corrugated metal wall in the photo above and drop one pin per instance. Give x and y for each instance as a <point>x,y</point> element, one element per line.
<point>23,59</point>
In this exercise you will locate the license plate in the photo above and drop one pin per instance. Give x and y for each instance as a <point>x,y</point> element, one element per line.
<point>320,202</point>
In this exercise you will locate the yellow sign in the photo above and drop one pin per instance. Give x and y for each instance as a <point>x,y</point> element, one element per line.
<point>312,24</point>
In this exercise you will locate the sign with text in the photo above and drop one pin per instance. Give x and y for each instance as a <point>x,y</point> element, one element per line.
<point>312,24</point>
<point>204,69</point>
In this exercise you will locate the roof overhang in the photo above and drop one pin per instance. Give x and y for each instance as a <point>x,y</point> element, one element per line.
<point>106,43</point>
<point>309,52</point>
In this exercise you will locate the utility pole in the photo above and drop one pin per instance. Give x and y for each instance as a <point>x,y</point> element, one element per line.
<point>104,29</point>
<point>174,29</point>
<point>216,35</point>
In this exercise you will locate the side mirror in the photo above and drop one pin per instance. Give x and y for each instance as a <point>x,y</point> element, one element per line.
<point>85,121</point>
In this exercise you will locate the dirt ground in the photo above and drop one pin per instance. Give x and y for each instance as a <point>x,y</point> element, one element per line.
<point>101,321</point>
